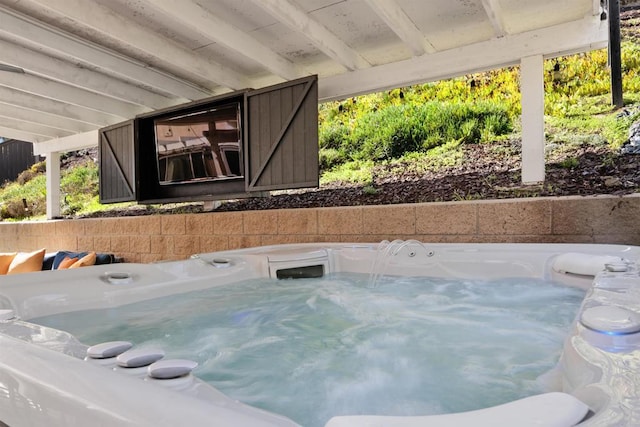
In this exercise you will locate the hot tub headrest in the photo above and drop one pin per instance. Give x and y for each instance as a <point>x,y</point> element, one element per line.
<point>550,410</point>
<point>583,264</point>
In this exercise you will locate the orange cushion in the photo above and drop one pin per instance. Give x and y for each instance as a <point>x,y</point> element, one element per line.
<point>5,261</point>
<point>26,262</point>
<point>85,261</point>
<point>67,262</point>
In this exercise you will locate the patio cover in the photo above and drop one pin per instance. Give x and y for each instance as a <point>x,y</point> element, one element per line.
<point>70,67</point>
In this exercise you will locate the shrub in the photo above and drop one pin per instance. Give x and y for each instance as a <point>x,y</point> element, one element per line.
<point>387,133</point>
<point>330,157</point>
<point>332,134</point>
<point>33,171</point>
<point>80,179</point>
<point>391,132</point>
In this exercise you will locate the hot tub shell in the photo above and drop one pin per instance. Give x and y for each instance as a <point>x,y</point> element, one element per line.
<point>45,381</point>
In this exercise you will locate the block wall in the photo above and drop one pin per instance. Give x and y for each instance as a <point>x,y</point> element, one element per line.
<point>602,219</point>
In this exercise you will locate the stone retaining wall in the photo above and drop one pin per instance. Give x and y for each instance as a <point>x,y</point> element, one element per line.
<point>602,219</point>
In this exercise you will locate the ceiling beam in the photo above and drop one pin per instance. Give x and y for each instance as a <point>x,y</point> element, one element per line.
<point>20,135</point>
<point>128,33</point>
<point>297,19</point>
<point>494,13</point>
<point>401,24</point>
<point>62,71</point>
<point>219,31</point>
<point>33,128</point>
<point>56,108</point>
<point>578,36</point>
<point>70,94</point>
<point>58,44</point>
<point>56,122</point>
<point>69,143</point>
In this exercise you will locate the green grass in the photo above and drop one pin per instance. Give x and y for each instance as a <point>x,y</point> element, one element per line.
<point>419,128</point>
<point>426,122</point>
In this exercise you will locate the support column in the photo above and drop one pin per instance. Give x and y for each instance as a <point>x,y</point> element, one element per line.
<point>615,53</point>
<point>53,185</point>
<point>532,91</point>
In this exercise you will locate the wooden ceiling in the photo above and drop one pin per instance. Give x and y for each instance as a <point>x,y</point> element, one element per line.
<point>69,67</point>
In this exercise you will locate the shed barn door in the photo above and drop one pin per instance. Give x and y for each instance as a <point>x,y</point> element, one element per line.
<point>117,163</point>
<point>281,141</point>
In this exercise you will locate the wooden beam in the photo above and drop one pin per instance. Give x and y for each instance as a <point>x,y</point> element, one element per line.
<point>69,143</point>
<point>62,92</point>
<point>37,103</point>
<point>55,43</point>
<point>577,36</point>
<point>494,13</point>
<point>218,30</point>
<point>401,24</point>
<point>56,122</point>
<point>32,128</point>
<point>21,135</point>
<point>37,63</point>
<point>129,34</point>
<point>297,19</point>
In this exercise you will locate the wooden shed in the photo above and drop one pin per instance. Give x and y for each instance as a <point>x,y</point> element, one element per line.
<point>15,156</point>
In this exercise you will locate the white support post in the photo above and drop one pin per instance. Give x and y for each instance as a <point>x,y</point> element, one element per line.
<point>53,185</point>
<point>532,90</point>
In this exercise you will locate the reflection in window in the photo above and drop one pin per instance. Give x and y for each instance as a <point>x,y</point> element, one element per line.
<point>200,146</point>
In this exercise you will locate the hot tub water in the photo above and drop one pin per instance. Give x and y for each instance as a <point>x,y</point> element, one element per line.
<point>311,349</point>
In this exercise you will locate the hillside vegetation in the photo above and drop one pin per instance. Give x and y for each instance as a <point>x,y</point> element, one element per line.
<point>422,128</point>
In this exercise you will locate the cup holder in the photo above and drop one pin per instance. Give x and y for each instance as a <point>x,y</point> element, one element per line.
<point>221,262</point>
<point>117,277</point>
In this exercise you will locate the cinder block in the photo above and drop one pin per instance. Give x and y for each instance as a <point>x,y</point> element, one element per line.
<point>213,243</point>
<point>199,224</point>
<point>85,243</point>
<point>497,217</point>
<point>94,226</point>
<point>240,242</point>
<point>228,223</point>
<point>140,244</point>
<point>186,245</point>
<point>174,225</point>
<point>604,215</point>
<point>260,222</point>
<point>125,226</point>
<point>298,221</point>
<point>458,218</point>
<point>149,258</point>
<point>162,245</point>
<point>69,228</point>
<point>149,225</point>
<point>102,243</point>
<point>391,219</point>
<point>120,244</point>
<point>343,220</point>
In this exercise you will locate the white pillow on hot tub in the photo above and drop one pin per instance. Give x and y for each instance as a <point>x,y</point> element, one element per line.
<point>583,264</point>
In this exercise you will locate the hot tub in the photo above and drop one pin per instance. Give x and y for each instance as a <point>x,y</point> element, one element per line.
<point>46,377</point>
